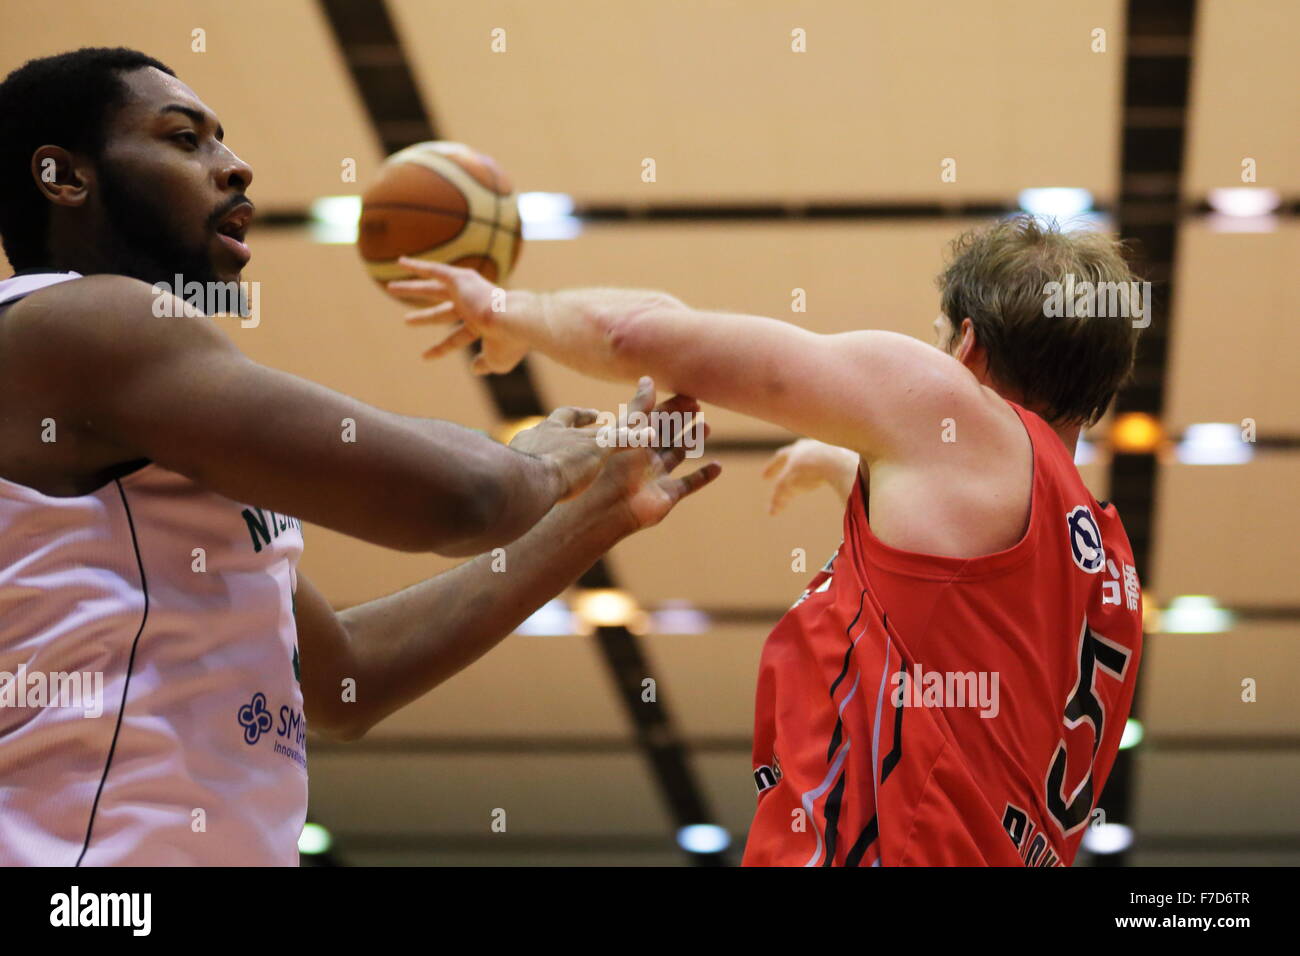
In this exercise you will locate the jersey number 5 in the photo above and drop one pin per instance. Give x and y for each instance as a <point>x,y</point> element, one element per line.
<point>1095,652</point>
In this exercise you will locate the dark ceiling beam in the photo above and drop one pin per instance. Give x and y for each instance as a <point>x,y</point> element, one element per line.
<point>382,75</point>
<point>1157,80</point>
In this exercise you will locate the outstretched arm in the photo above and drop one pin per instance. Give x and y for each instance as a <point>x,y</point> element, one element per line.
<point>173,388</point>
<point>865,391</point>
<point>399,647</point>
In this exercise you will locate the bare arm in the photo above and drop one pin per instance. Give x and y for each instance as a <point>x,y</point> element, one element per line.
<point>399,647</point>
<point>177,391</point>
<point>866,391</point>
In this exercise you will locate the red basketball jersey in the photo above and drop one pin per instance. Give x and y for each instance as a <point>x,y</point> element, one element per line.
<point>918,710</point>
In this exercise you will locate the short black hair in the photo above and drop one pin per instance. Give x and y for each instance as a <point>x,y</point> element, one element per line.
<point>65,100</point>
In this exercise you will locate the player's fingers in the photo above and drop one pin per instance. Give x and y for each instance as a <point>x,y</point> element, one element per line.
<point>573,417</point>
<point>434,289</point>
<point>776,462</point>
<point>426,267</point>
<point>565,415</point>
<point>431,316</point>
<point>682,405</point>
<point>644,399</point>
<point>460,337</point>
<point>784,491</point>
<point>679,488</point>
<point>615,440</point>
<point>686,440</point>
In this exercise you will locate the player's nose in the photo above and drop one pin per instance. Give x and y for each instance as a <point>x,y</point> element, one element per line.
<point>234,173</point>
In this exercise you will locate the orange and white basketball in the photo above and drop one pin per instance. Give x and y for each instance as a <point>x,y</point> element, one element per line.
<point>441,201</point>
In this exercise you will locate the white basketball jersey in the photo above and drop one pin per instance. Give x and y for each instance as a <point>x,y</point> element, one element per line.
<point>150,708</point>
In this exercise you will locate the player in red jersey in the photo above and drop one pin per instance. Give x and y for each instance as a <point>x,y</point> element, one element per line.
<point>952,687</point>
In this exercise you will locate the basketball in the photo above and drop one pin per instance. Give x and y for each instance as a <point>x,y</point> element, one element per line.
<point>441,201</point>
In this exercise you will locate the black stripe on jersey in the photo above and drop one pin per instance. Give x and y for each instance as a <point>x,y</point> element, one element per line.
<point>126,685</point>
<point>832,814</point>
<point>896,754</point>
<point>844,670</point>
<point>863,842</point>
<point>848,632</point>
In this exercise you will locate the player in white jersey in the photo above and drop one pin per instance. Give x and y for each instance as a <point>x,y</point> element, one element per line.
<point>160,655</point>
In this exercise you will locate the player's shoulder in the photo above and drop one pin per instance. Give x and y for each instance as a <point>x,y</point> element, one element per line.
<point>76,300</point>
<point>931,387</point>
<point>93,318</point>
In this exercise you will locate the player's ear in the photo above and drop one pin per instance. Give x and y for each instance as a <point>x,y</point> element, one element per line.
<point>58,177</point>
<point>966,342</point>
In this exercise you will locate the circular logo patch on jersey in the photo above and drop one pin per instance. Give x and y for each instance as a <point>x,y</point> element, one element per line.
<point>1085,540</point>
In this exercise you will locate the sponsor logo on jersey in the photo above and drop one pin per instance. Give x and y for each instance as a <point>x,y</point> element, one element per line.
<point>264,526</point>
<point>290,730</point>
<point>768,775</point>
<point>1033,847</point>
<point>1085,540</point>
<point>255,719</point>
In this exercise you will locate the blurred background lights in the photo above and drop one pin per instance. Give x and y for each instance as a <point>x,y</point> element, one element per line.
<point>1243,209</point>
<point>1136,433</point>
<point>1108,838</point>
<point>1195,614</point>
<point>703,838</point>
<point>314,839</point>
<point>334,219</point>
<point>1214,443</point>
<point>1085,452</point>
<point>1061,203</point>
<point>552,619</point>
<point>1244,201</point>
<point>548,216</point>
<point>606,607</point>
<point>1133,734</point>
<point>679,617</point>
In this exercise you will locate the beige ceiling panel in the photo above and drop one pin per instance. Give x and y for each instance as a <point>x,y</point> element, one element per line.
<point>1217,794</point>
<point>708,680</point>
<point>1192,683</point>
<point>712,92</point>
<point>541,794</point>
<point>529,686</point>
<point>1229,531</point>
<point>1236,336</point>
<point>720,548</point>
<point>1245,96</point>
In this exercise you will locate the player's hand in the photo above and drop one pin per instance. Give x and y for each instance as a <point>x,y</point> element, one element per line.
<point>571,442</point>
<point>805,465</point>
<point>465,300</point>
<point>638,487</point>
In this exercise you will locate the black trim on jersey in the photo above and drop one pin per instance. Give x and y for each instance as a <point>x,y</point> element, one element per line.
<point>126,686</point>
<point>896,754</point>
<point>848,655</point>
<point>863,842</point>
<point>832,814</point>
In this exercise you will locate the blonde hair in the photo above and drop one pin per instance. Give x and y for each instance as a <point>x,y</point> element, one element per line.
<point>1067,367</point>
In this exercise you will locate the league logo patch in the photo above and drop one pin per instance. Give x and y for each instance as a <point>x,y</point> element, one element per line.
<point>1085,540</point>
